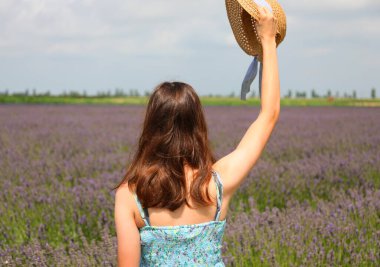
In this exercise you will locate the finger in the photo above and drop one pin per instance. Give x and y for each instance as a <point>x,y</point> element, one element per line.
<point>261,10</point>
<point>266,10</point>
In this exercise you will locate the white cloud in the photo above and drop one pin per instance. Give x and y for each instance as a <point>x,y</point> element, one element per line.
<point>177,31</point>
<point>328,5</point>
<point>117,26</point>
<point>159,26</point>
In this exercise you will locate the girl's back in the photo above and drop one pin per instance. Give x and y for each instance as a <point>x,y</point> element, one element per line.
<point>184,237</point>
<point>186,215</point>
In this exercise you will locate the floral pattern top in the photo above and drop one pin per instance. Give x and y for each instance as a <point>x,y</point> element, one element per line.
<point>183,245</point>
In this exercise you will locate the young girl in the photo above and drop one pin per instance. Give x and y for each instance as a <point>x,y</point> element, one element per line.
<point>171,206</point>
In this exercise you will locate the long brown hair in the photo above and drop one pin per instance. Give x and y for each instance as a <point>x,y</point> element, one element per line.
<point>174,134</point>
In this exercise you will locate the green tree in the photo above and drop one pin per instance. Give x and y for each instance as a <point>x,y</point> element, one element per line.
<point>373,93</point>
<point>119,92</point>
<point>289,95</point>
<point>301,94</point>
<point>134,92</point>
<point>101,94</point>
<point>314,94</point>
<point>74,93</point>
<point>329,93</point>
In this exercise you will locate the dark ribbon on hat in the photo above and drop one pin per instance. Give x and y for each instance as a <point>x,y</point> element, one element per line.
<point>254,67</point>
<point>250,77</point>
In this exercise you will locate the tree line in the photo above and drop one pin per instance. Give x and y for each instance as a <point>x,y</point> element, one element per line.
<point>119,92</point>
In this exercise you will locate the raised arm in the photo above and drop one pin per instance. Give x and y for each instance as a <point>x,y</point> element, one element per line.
<point>234,167</point>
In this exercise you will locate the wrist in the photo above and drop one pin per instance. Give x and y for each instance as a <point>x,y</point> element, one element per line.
<point>268,42</point>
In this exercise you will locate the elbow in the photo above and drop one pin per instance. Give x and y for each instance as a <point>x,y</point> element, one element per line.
<point>272,115</point>
<point>276,114</point>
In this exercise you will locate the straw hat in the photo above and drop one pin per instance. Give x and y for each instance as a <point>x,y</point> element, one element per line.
<point>242,13</point>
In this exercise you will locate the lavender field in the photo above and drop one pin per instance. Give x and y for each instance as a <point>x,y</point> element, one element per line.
<point>313,199</point>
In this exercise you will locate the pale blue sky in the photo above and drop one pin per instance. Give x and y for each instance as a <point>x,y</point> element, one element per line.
<point>98,45</point>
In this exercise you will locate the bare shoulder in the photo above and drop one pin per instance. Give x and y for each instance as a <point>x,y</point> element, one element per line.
<point>123,190</point>
<point>124,198</point>
<point>128,238</point>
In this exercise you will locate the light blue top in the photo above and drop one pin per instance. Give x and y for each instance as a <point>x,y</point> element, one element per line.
<point>183,245</point>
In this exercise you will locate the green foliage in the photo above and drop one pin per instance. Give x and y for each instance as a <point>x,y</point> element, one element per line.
<point>373,93</point>
<point>133,98</point>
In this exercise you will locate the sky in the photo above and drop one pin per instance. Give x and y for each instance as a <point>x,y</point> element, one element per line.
<point>93,45</point>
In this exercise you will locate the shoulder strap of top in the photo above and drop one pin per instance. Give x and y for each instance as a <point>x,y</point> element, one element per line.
<point>219,193</point>
<point>143,211</point>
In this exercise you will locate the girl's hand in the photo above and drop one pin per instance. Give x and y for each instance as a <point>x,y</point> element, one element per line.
<point>266,25</point>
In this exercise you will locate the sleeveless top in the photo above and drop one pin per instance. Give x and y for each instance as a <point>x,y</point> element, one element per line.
<point>183,245</point>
